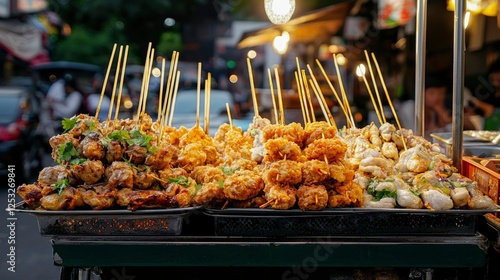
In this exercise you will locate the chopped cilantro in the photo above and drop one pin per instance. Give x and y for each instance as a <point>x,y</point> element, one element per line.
<point>61,185</point>
<point>220,183</point>
<point>180,180</point>
<point>228,170</point>
<point>198,187</point>
<point>69,123</point>
<point>78,160</point>
<point>119,135</point>
<point>66,152</point>
<point>378,195</point>
<point>139,138</point>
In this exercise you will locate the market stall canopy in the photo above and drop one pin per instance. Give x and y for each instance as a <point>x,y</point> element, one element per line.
<point>309,27</point>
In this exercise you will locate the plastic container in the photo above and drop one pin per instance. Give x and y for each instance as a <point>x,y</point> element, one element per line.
<point>486,178</point>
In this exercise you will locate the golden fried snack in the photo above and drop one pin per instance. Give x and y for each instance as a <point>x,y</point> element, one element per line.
<point>211,192</point>
<point>280,197</point>
<point>278,149</point>
<point>243,184</point>
<point>292,132</point>
<point>171,173</point>
<point>318,130</point>
<point>69,199</point>
<point>207,173</point>
<point>349,195</point>
<point>192,155</point>
<point>314,172</point>
<point>283,172</point>
<point>31,194</point>
<point>333,148</point>
<point>121,174</point>
<point>162,157</point>
<point>312,197</point>
<point>253,202</point>
<point>98,197</point>
<point>90,171</point>
<point>91,147</point>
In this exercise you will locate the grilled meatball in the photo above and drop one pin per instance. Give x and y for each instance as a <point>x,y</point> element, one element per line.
<point>99,197</point>
<point>136,154</point>
<point>90,171</point>
<point>91,147</point>
<point>53,174</point>
<point>121,174</point>
<point>69,199</point>
<point>115,151</point>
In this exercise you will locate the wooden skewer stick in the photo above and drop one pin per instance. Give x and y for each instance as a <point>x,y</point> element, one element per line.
<point>167,99</point>
<point>171,84</point>
<point>335,93</point>
<point>299,92</point>
<point>174,93</point>
<point>324,155</point>
<point>388,97</point>
<point>322,100</point>
<point>141,95</point>
<point>160,94</point>
<point>342,90</point>
<point>385,90</point>
<point>375,106</point>
<point>229,116</point>
<point>122,78</point>
<point>280,97</point>
<point>115,82</point>
<point>198,92</point>
<point>252,88</point>
<point>207,102</point>
<point>375,86</point>
<point>308,96</point>
<point>271,86</point>
<point>267,203</point>
<point>103,90</point>
<point>315,90</point>
<point>148,77</point>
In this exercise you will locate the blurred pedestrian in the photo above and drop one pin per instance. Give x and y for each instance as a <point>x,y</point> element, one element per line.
<point>486,101</point>
<point>97,83</point>
<point>69,102</point>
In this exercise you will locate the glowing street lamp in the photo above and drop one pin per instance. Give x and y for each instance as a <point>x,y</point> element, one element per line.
<point>279,11</point>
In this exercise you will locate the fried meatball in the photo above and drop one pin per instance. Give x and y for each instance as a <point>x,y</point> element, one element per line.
<point>283,172</point>
<point>207,174</point>
<point>121,174</point>
<point>280,197</point>
<point>90,171</point>
<point>318,130</point>
<point>278,149</point>
<point>192,155</point>
<point>312,197</point>
<point>314,172</point>
<point>243,184</point>
<point>210,192</point>
<point>331,148</point>
<point>292,132</point>
<point>349,195</point>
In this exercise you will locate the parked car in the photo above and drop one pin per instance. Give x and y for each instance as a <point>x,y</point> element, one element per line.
<point>185,110</point>
<point>20,145</point>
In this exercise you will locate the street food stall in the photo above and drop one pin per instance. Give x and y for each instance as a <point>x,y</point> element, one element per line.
<point>132,198</point>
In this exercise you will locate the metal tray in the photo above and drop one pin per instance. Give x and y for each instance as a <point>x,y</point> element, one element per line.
<point>150,222</point>
<point>344,222</point>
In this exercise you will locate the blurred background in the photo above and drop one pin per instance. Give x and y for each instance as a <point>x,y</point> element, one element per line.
<point>41,41</point>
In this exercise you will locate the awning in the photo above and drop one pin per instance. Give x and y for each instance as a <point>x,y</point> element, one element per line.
<point>309,27</point>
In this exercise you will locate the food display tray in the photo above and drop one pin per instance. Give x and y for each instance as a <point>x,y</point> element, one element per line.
<point>120,222</point>
<point>344,222</point>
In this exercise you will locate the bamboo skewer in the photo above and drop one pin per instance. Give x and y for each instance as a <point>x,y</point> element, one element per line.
<point>113,92</point>
<point>160,94</point>
<point>322,100</point>
<point>271,86</point>
<point>376,88</point>
<point>252,87</point>
<point>385,90</point>
<point>280,97</point>
<point>207,100</point>
<point>141,95</point>
<point>302,89</point>
<point>335,93</point>
<point>316,93</point>
<point>167,99</point>
<point>171,84</point>
<point>375,106</point>
<point>229,116</point>
<point>299,92</point>
<point>198,91</point>
<point>342,90</point>
<point>122,78</point>
<point>174,93</point>
<point>103,90</point>
<point>148,77</point>
<point>308,96</point>
<point>388,97</point>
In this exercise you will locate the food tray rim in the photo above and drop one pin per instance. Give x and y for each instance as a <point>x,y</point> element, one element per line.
<point>21,207</point>
<point>336,211</point>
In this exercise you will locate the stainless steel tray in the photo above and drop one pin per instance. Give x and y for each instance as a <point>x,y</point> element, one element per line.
<point>344,222</point>
<point>150,222</point>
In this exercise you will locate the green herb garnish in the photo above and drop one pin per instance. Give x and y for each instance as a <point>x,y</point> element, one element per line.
<point>220,183</point>
<point>61,185</point>
<point>78,160</point>
<point>180,180</point>
<point>66,152</point>
<point>119,135</point>
<point>228,170</point>
<point>139,138</point>
<point>69,123</point>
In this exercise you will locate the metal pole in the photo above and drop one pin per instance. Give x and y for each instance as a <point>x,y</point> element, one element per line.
<point>458,84</point>
<point>420,36</point>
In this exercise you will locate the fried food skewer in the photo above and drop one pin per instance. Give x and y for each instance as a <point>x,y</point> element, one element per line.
<point>280,97</point>
<point>384,120</point>
<point>368,88</point>
<point>342,90</point>
<point>299,92</point>
<point>308,96</point>
<point>252,88</point>
<point>271,86</point>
